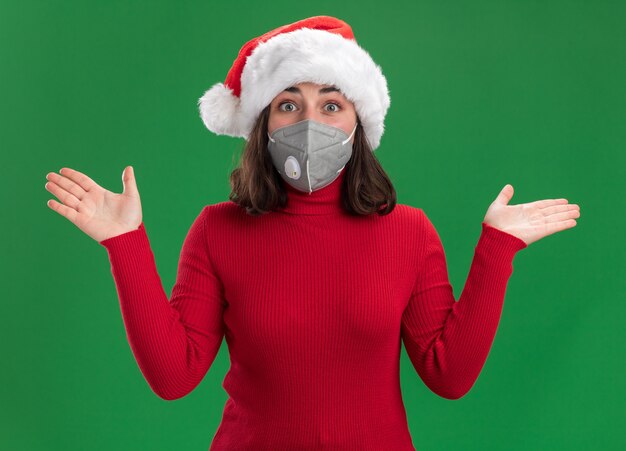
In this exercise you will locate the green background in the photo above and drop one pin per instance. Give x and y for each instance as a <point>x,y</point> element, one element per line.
<point>483,93</point>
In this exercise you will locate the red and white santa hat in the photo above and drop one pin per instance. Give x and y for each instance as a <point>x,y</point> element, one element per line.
<point>320,49</point>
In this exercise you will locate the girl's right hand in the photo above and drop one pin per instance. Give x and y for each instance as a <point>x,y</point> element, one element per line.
<point>96,211</point>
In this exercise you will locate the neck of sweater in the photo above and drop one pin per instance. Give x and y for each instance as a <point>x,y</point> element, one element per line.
<point>326,200</point>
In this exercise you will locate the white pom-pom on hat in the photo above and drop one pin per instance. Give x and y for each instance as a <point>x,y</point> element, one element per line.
<point>220,111</point>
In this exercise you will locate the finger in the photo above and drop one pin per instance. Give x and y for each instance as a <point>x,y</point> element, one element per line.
<point>563,216</point>
<point>559,208</point>
<point>67,184</point>
<point>79,178</point>
<point>63,210</point>
<point>505,195</point>
<point>67,198</point>
<point>549,202</point>
<point>129,182</point>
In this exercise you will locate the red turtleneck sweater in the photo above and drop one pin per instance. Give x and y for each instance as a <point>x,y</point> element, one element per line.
<point>313,304</point>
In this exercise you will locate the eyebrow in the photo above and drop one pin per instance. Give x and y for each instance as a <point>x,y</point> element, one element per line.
<point>296,90</point>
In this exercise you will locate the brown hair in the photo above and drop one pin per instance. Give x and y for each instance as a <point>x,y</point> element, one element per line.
<point>259,188</point>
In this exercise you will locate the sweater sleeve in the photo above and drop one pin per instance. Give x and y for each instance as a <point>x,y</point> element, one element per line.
<point>448,341</point>
<point>174,341</point>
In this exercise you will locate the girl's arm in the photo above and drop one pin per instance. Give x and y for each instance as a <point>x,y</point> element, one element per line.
<point>174,341</point>
<point>448,341</point>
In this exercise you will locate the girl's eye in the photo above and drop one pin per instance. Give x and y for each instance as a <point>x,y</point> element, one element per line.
<point>280,107</point>
<point>289,106</point>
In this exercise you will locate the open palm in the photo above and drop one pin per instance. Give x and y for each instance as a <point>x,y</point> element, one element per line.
<point>96,211</point>
<point>531,221</point>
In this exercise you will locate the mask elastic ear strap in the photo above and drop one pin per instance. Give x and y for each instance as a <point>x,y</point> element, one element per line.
<point>344,142</point>
<point>273,140</point>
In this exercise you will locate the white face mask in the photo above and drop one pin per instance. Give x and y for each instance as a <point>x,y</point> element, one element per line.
<point>309,155</point>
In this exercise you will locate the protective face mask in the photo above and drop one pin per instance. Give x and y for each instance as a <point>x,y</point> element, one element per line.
<point>309,155</point>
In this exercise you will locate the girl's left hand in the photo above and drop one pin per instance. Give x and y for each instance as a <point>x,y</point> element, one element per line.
<point>532,221</point>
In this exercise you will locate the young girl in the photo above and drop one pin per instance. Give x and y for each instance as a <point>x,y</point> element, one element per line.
<point>311,271</point>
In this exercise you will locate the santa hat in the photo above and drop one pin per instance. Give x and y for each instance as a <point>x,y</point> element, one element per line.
<point>320,49</point>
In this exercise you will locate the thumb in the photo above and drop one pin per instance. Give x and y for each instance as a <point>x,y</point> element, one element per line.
<point>505,195</point>
<point>130,185</point>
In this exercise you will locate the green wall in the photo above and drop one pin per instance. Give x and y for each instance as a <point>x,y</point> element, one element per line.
<point>483,93</point>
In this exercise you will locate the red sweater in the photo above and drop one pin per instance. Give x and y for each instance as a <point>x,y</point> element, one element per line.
<point>314,304</point>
